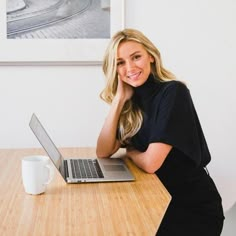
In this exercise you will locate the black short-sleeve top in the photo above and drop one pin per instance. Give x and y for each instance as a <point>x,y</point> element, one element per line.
<point>169,117</point>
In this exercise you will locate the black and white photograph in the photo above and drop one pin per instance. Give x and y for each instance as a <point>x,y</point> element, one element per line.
<point>67,19</point>
<point>57,31</point>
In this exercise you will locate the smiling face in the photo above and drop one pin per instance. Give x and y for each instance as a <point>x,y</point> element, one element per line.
<point>133,63</point>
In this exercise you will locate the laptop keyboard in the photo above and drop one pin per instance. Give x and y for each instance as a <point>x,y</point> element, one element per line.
<point>85,168</point>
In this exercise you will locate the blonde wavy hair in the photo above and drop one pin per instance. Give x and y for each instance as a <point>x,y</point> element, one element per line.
<point>131,117</point>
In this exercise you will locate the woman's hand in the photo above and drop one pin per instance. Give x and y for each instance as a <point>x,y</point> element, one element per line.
<point>124,90</point>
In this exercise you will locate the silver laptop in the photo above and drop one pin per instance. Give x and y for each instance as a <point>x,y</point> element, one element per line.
<point>81,170</point>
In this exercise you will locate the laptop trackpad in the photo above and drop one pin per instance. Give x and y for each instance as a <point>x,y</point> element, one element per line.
<point>114,168</point>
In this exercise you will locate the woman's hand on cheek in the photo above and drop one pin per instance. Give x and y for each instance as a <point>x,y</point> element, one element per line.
<point>124,90</point>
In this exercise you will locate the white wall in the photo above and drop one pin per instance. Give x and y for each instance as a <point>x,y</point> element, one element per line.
<point>66,99</point>
<point>197,41</point>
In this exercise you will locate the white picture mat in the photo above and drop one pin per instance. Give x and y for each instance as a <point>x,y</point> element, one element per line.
<point>56,51</point>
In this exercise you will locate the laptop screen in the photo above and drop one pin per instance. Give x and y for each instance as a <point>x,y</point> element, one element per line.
<point>46,142</point>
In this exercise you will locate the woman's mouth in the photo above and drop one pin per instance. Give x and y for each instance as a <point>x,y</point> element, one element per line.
<point>134,76</point>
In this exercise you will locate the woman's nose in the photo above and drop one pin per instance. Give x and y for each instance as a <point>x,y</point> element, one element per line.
<point>129,64</point>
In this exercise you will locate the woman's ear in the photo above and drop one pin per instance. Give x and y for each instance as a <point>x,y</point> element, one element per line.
<point>151,59</point>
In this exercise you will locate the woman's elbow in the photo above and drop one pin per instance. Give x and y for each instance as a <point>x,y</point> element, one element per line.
<point>150,168</point>
<point>102,154</point>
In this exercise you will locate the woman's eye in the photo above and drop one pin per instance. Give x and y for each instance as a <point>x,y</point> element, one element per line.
<point>119,63</point>
<point>136,57</point>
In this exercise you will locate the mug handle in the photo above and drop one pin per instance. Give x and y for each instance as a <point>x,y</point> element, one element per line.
<point>51,173</point>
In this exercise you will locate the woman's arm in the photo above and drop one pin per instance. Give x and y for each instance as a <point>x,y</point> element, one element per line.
<point>152,159</point>
<point>107,143</point>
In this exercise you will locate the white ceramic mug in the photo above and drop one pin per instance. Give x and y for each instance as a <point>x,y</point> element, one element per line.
<point>37,173</point>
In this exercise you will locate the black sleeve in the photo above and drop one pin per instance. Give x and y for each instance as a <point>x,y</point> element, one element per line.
<point>176,123</point>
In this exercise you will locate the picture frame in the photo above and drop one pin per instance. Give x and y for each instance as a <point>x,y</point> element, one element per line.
<point>78,51</point>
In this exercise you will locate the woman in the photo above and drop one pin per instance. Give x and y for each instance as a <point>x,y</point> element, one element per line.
<point>152,115</point>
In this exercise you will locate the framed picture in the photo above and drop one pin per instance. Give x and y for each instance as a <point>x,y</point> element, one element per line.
<point>55,32</point>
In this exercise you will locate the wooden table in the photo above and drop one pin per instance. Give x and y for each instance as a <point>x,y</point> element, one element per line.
<point>124,208</point>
